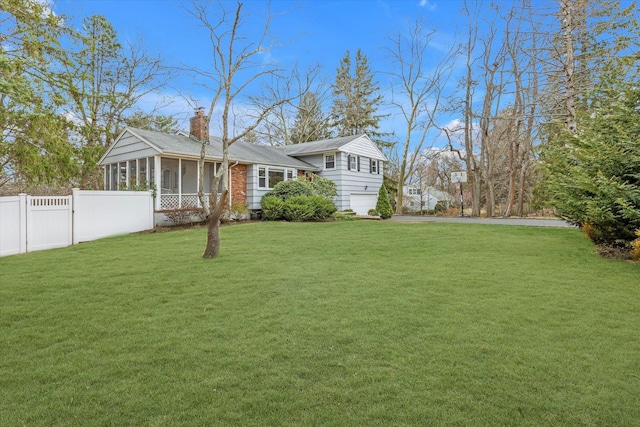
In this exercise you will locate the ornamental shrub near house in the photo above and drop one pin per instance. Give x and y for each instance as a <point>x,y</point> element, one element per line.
<point>300,200</point>
<point>384,204</point>
<point>272,207</point>
<point>287,189</point>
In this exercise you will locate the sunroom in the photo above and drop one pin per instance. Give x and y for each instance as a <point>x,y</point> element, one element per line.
<point>178,178</point>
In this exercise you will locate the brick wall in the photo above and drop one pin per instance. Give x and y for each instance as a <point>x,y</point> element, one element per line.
<point>239,184</point>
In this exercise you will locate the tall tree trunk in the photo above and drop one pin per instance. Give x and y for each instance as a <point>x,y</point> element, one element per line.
<point>213,227</point>
<point>569,64</point>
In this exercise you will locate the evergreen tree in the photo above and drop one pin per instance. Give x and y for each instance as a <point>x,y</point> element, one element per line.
<point>383,206</point>
<point>155,122</point>
<point>34,148</point>
<point>310,124</point>
<point>356,98</point>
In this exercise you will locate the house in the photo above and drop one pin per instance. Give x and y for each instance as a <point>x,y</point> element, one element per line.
<point>418,199</point>
<point>170,164</point>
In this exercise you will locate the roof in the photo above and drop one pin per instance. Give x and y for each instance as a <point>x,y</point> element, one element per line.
<point>319,146</point>
<point>239,151</point>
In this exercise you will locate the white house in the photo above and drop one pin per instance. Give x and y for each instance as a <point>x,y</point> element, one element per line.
<point>416,199</point>
<point>169,163</point>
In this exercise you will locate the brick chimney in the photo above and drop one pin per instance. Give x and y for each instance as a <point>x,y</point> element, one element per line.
<point>198,126</point>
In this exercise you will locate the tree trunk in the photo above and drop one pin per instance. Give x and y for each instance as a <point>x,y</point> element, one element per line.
<point>213,228</point>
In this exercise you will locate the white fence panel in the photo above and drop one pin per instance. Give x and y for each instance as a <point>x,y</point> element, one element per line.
<point>100,214</point>
<point>13,225</point>
<point>49,222</point>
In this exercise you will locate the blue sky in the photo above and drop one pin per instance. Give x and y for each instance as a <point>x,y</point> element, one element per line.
<point>312,32</point>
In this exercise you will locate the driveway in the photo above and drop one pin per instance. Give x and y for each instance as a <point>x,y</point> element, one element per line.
<point>532,222</point>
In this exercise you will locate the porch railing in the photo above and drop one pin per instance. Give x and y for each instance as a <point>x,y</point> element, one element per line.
<point>184,201</point>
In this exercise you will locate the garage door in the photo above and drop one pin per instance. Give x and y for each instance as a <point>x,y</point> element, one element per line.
<point>361,203</point>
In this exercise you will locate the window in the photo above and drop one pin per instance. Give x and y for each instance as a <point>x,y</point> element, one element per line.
<point>262,177</point>
<point>133,173</point>
<point>107,177</point>
<point>373,166</point>
<point>114,177</point>
<point>152,171</point>
<point>275,176</point>
<point>142,172</point>
<point>268,177</point>
<point>329,161</point>
<point>353,162</point>
<point>122,181</point>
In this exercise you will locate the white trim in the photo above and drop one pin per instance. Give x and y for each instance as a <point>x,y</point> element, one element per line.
<point>285,170</point>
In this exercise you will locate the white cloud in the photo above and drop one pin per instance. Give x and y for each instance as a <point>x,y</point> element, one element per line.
<point>426,4</point>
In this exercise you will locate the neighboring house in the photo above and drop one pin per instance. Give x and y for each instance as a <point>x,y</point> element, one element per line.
<point>169,163</point>
<point>416,199</point>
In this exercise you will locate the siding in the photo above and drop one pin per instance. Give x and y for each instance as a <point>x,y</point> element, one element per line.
<point>254,194</point>
<point>355,181</point>
<point>363,147</point>
<point>129,147</point>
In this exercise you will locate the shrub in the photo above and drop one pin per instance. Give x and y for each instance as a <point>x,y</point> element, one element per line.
<point>238,211</point>
<point>372,212</point>
<point>287,189</point>
<point>272,207</point>
<point>440,208</point>
<point>323,207</point>
<point>299,208</point>
<point>342,217</point>
<point>635,247</point>
<point>184,216</point>
<point>322,186</point>
<point>384,204</point>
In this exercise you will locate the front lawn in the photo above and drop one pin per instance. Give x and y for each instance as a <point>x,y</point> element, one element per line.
<point>336,323</point>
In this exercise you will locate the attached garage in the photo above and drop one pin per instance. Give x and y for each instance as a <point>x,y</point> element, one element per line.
<point>361,203</point>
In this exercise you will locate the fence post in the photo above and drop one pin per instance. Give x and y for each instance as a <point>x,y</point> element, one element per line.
<point>75,192</point>
<point>23,222</point>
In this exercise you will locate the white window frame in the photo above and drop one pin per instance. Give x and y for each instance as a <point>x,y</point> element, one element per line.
<point>373,166</point>
<point>353,162</point>
<point>335,161</point>
<point>285,171</point>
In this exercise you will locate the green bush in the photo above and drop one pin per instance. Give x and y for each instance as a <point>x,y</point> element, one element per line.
<point>439,208</point>
<point>304,208</point>
<point>372,212</point>
<point>342,217</point>
<point>384,204</point>
<point>272,207</point>
<point>323,207</point>
<point>299,208</point>
<point>322,186</point>
<point>287,189</point>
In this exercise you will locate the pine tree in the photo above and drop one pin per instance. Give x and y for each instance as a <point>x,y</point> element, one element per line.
<point>356,98</point>
<point>383,206</point>
<point>310,123</point>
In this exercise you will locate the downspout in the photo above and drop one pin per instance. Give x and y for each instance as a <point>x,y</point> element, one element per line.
<point>230,182</point>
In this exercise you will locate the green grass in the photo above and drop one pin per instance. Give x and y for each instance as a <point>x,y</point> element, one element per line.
<point>337,323</point>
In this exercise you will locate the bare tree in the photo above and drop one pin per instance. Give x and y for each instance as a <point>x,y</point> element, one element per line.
<point>417,87</point>
<point>235,68</point>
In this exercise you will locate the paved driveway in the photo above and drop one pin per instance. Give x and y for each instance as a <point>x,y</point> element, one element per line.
<point>533,222</point>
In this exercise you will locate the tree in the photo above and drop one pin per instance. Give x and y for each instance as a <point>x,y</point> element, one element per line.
<point>155,122</point>
<point>383,205</point>
<point>234,69</point>
<point>103,81</point>
<point>356,99</point>
<point>595,184</point>
<point>417,87</point>
<point>592,170</point>
<point>310,123</point>
<point>33,146</point>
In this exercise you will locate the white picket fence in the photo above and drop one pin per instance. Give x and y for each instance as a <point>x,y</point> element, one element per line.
<point>33,223</point>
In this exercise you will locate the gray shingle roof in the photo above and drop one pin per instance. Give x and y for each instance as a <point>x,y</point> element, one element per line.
<point>319,146</point>
<point>240,151</point>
